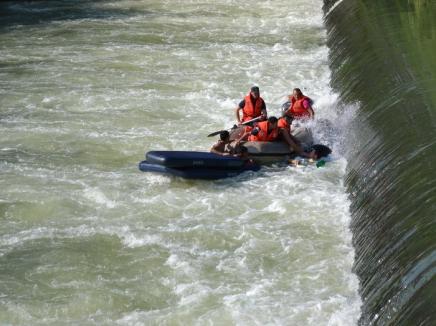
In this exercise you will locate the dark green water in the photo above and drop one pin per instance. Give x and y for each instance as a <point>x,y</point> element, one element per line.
<point>383,61</point>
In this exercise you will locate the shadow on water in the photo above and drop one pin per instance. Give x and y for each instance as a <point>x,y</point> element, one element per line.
<point>16,13</point>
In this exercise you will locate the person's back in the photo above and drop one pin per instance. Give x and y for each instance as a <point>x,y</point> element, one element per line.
<point>265,131</point>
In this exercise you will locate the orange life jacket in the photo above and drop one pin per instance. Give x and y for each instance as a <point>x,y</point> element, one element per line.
<point>298,111</point>
<point>248,128</point>
<point>263,134</point>
<point>283,124</point>
<point>249,111</point>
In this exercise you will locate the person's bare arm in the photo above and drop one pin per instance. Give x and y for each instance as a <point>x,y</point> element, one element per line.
<point>294,139</point>
<point>213,150</point>
<point>311,112</point>
<point>288,111</point>
<point>264,114</point>
<point>238,118</point>
<point>217,149</point>
<point>243,137</point>
<point>293,146</point>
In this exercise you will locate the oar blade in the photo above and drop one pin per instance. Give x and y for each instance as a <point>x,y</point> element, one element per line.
<point>234,127</point>
<point>215,133</point>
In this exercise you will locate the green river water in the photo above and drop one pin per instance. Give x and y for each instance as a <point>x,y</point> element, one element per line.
<point>86,88</point>
<point>387,68</point>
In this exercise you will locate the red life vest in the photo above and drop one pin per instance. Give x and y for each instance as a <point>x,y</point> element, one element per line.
<point>249,111</point>
<point>297,108</point>
<point>248,128</point>
<point>263,134</point>
<point>283,124</point>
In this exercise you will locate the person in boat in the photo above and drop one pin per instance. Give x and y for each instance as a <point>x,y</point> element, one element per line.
<point>299,106</point>
<point>242,153</point>
<point>301,135</point>
<point>252,106</point>
<point>269,131</point>
<point>222,146</point>
<point>285,122</point>
<point>287,105</point>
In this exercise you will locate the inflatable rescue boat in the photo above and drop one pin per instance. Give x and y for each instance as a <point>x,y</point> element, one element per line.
<point>195,165</point>
<point>210,166</point>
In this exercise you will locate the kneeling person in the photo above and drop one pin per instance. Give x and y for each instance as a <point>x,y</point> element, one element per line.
<point>269,131</point>
<point>265,130</point>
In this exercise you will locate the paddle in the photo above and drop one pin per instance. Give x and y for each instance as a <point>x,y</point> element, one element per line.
<point>243,124</point>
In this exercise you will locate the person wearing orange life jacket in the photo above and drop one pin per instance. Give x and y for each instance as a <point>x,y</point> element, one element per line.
<point>300,106</point>
<point>300,135</point>
<point>285,122</point>
<point>252,106</point>
<point>269,131</point>
<point>265,131</point>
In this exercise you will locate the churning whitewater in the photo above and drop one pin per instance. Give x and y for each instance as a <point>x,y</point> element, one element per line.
<point>86,90</point>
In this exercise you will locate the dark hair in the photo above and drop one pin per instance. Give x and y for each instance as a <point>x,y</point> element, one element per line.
<point>255,89</point>
<point>272,120</point>
<point>224,135</point>
<point>242,149</point>
<point>321,150</point>
<point>288,117</point>
<point>298,91</point>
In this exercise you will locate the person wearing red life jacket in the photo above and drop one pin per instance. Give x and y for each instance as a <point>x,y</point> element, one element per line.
<point>265,131</point>
<point>285,122</point>
<point>252,106</point>
<point>300,106</point>
<point>269,131</point>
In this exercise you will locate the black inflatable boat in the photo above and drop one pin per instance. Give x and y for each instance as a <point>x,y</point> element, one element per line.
<point>195,165</point>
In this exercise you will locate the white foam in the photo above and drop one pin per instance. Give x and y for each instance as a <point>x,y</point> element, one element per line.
<point>97,196</point>
<point>180,265</point>
<point>337,3</point>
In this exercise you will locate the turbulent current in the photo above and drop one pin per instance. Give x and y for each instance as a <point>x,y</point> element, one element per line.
<point>383,59</point>
<point>86,88</point>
